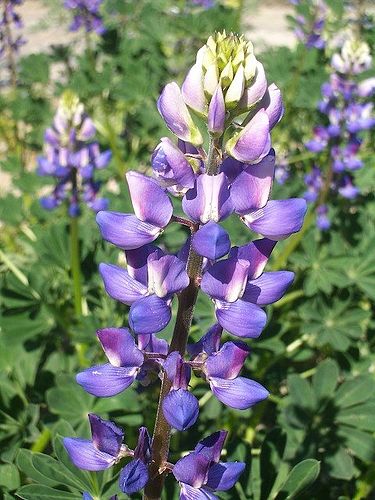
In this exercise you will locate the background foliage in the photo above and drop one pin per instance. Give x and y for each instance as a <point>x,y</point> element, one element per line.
<point>316,355</point>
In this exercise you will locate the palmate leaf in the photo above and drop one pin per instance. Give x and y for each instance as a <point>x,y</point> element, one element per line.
<point>333,322</point>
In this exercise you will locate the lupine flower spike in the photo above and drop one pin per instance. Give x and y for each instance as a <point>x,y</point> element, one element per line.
<point>349,114</point>
<point>86,15</point>
<point>71,158</point>
<point>10,43</point>
<point>227,87</point>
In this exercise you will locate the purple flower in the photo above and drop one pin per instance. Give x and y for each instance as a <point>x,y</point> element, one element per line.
<point>171,167</point>
<point>148,290</point>
<point>129,231</point>
<point>201,473</point>
<point>221,367</point>
<point>86,15</point>
<point>237,293</point>
<point>106,449</point>
<point>102,451</point>
<point>180,407</point>
<point>125,362</point>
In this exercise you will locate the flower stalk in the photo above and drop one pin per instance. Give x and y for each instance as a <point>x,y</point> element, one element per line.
<point>185,312</point>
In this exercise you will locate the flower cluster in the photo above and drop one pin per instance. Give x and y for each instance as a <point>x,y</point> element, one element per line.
<point>227,87</point>
<point>349,112</point>
<point>310,23</point>
<point>86,15</point>
<point>71,157</point>
<point>10,19</point>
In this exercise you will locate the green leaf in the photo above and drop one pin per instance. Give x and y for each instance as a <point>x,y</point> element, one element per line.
<point>359,443</point>
<point>300,392</point>
<point>41,492</point>
<point>341,465</point>
<point>359,416</point>
<point>299,478</point>
<point>354,391</point>
<point>325,379</point>
<point>9,476</point>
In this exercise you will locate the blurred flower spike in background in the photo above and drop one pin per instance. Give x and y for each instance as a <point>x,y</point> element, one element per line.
<point>71,158</point>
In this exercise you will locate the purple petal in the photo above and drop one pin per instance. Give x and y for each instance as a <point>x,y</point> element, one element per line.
<point>216,112</point>
<point>176,115</point>
<point>120,285</point>
<point>86,496</point>
<point>172,366</point>
<point>273,105</point>
<point>106,436</point>
<point>166,275</point>
<point>106,380</point>
<point>103,159</point>
<point>268,288</point>
<point>192,90</point>
<point>209,343</point>
<point>119,347</point>
<point>136,261</point>
<point>231,168</point>
<point>228,362</point>
<point>223,476</point>
<point>149,315</point>
<point>150,343</point>
<point>257,89</point>
<point>192,469</point>
<point>256,253</point>
<point>212,445</point>
<point>125,230</point>
<point>225,280</point>
<point>143,449</point>
<point>278,219</point>
<point>240,393</point>
<point>170,166</point>
<point>211,241</point>
<point>209,199</point>
<point>180,409</point>
<point>190,493</point>
<point>252,187</point>
<point>158,210</point>
<point>241,318</point>
<point>85,456</point>
<point>133,477</point>
<point>253,142</point>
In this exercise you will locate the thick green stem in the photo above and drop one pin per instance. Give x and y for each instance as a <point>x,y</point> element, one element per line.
<point>75,265</point>
<point>186,303</point>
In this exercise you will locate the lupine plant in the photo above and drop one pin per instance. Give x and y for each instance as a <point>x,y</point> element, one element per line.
<point>9,42</point>
<point>227,91</point>
<point>86,15</point>
<point>71,157</point>
<point>349,114</point>
<point>310,20</point>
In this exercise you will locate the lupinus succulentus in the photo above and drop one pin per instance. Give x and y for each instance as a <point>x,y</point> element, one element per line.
<point>71,158</point>
<point>348,113</point>
<point>10,43</point>
<point>86,15</point>
<point>227,88</point>
<point>310,22</point>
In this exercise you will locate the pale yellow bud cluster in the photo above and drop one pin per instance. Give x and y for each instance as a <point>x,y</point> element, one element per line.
<point>227,60</point>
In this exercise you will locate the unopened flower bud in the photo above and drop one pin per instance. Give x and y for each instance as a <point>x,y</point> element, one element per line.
<point>216,113</point>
